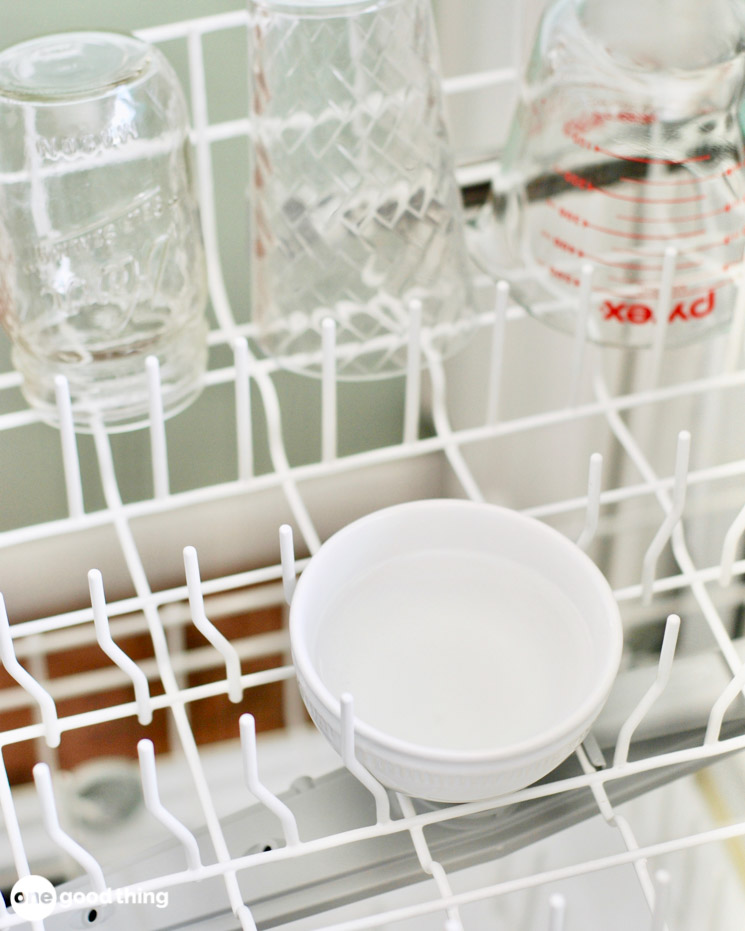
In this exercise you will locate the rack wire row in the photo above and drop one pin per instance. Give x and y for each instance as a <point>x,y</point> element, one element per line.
<point>672,496</point>
<point>32,639</point>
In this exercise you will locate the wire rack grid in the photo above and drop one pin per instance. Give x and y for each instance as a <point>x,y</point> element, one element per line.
<point>446,458</point>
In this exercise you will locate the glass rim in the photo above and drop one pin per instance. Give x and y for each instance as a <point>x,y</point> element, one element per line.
<point>135,62</point>
<point>311,9</point>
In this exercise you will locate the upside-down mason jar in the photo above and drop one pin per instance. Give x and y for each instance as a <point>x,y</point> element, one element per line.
<point>355,211</point>
<point>101,257</point>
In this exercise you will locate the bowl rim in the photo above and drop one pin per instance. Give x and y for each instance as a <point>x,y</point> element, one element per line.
<point>542,744</point>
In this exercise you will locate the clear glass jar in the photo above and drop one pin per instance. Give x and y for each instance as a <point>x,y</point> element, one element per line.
<point>101,257</point>
<point>355,211</point>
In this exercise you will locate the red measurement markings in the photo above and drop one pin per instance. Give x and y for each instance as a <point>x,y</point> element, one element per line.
<point>650,200</point>
<point>689,219</point>
<point>578,128</point>
<point>582,124</point>
<point>687,180</point>
<point>651,161</point>
<point>727,241</point>
<point>577,220</point>
<point>563,244</point>
<point>563,276</point>
<point>635,266</point>
<point>566,214</point>
<point>583,184</point>
<point>680,291</point>
<point>570,249</point>
<point>654,270</point>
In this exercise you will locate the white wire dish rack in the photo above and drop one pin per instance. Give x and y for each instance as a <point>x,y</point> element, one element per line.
<point>643,464</point>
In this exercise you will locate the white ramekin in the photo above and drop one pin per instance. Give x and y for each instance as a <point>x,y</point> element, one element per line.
<point>456,529</point>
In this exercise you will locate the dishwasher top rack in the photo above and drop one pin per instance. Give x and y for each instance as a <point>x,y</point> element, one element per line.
<point>645,420</point>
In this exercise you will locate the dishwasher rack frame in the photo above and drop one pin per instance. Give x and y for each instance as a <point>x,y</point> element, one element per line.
<point>26,639</point>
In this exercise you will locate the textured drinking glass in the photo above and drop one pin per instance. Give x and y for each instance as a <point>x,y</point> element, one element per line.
<point>627,152</point>
<point>355,211</point>
<point>101,258</point>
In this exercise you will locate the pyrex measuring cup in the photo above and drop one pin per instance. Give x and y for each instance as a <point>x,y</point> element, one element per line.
<point>626,152</point>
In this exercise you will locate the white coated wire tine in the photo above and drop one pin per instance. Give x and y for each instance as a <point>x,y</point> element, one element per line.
<point>328,391</point>
<point>205,626</point>
<point>278,456</point>
<point>557,912</point>
<point>70,460</point>
<point>443,429</point>
<point>428,864</point>
<point>589,756</point>
<point>243,429</point>
<point>497,352</point>
<point>592,514</point>
<point>518,38</point>
<point>287,555</point>
<point>413,373</point>
<point>44,700</point>
<point>719,709</point>
<point>676,512</point>
<point>382,802</point>
<point>115,652</point>
<point>584,306</point>
<point>158,451</point>
<point>246,919</point>
<point>661,900</point>
<point>205,175</point>
<point>146,755</point>
<point>251,772</point>
<point>662,312</point>
<point>737,330</point>
<point>39,196</point>
<point>453,923</point>
<point>664,668</point>
<point>11,825</point>
<point>729,550</point>
<point>43,781</point>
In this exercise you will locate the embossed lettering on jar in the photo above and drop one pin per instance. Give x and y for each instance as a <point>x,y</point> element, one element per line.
<point>102,261</point>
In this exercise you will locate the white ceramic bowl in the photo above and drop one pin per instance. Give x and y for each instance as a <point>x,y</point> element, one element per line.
<point>479,645</point>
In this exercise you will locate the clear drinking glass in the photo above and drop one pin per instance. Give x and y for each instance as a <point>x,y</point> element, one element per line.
<point>626,152</point>
<point>101,258</point>
<point>355,211</point>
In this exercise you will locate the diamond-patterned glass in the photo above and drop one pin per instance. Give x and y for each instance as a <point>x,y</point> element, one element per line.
<point>355,211</point>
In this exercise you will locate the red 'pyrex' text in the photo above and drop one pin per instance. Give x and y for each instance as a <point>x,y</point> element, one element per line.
<point>637,313</point>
